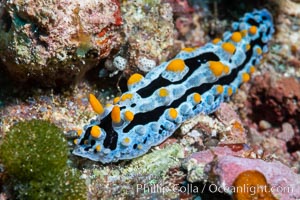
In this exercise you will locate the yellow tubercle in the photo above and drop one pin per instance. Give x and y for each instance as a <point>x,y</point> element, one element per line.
<point>229,91</point>
<point>176,65</point>
<point>258,51</point>
<point>108,105</point>
<point>252,30</point>
<point>116,100</point>
<point>173,113</point>
<point>134,78</point>
<point>216,40</point>
<point>226,69</point>
<point>126,96</point>
<point>95,131</point>
<point>244,32</point>
<point>98,148</point>
<point>126,141</point>
<point>76,141</point>
<point>216,67</point>
<point>252,69</point>
<point>248,46</point>
<point>236,36</point>
<point>96,105</point>
<point>219,89</point>
<point>197,98</point>
<point>163,92</point>
<point>188,49</point>
<point>228,47</point>
<point>245,77</point>
<point>116,114</point>
<point>128,115</point>
<point>79,132</point>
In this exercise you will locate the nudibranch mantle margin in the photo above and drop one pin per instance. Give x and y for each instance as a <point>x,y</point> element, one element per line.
<point>195,81</point>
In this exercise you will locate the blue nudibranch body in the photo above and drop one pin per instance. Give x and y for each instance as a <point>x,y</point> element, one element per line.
<point>195,81</point>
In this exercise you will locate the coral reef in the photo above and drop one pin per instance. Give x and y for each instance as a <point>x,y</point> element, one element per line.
<point>235,139</point>
<point>56,42</point>
<point>34,154</point>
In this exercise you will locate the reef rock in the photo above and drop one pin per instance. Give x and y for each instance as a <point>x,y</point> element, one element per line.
<point>222,166</point>
<point>275,100</point>
<point>149,35</point>
<point>56,42</point>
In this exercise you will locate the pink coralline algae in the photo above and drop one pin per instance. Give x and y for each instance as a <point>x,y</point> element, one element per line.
<point>199,164</point>
<point>222,166</point>
<point>56,42</point>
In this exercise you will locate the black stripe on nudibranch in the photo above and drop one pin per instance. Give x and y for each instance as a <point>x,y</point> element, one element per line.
<point>192,63</point>
<point>111,138</point>
<point>253,22</point>
<point>86,135</point>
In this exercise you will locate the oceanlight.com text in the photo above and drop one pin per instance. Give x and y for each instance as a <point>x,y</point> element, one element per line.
<point>212,188</point>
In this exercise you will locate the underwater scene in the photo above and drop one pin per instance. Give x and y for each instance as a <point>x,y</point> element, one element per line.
<point>150,99</point>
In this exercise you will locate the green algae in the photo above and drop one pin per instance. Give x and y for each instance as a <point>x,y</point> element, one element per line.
<point>34,154</point>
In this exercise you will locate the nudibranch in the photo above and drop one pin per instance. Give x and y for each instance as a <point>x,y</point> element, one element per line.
<point>195,81</point>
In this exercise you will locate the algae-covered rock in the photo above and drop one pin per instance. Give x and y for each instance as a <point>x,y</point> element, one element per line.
<point>158,162</point>
<point>56,42</point>
<point>149,34</point>
<point>125,182</point>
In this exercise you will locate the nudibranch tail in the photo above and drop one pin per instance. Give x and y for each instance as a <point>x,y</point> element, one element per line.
<point>195,81</point>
